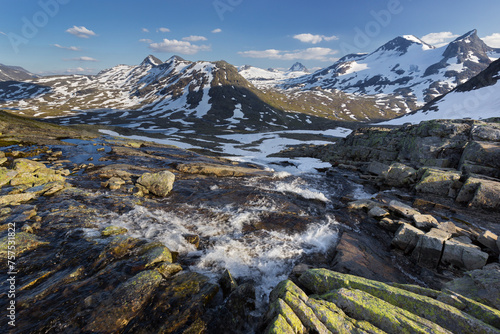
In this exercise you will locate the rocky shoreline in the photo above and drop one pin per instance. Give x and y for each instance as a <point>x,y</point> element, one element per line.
<point>75,271</point>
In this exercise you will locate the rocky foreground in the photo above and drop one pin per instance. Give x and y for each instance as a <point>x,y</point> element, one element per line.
<point>407,260</point>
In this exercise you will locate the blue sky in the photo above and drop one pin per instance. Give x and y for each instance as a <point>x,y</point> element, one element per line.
<point>85,36</point>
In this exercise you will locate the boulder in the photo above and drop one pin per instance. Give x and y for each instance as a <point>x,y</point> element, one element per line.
<point>385,305</point>
<point>34,173</point>
<point>378,212</point>
<point>425,222</point>
<point>429,247</point>
<point>482,154</point>
<point>489,240</point>
<point>378,168</point>
<point>487,196</point>
<point>402,209</point>
<point>159,184</point>
<point>220,170</point>
<point>6,175</point>
<point>463,255</point>
<point>406,238</point>
<point>481,285</point>
<point>16,199</point>
<point>400,175</point>
<point>227,283</point>
<point>436,181</point>
<point>360,204</point>
<point>389,224</point>
<point>125,302</point>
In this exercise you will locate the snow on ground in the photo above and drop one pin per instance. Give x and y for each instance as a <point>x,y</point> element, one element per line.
<point>476,104</point>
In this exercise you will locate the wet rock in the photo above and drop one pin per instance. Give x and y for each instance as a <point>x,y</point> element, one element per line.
<point>463,255</point>
<point>406,238</point>
<point>169,269</point>
<point>126,301</point>
<point>154,253</point>
<point>240,304</point>
<point>113,230</point>
<point>193,239</point>
<point>220,170</point>
<point>159,184</point>
<point>402,209</point>
<point>429,247</point>
<point>179,303</point>
<point>22,241</point>
<point>227,283</point>
<point>436,181</point>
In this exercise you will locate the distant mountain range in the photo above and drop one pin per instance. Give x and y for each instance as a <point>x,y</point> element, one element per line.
<point>14,73</point>
<point>394,80</point>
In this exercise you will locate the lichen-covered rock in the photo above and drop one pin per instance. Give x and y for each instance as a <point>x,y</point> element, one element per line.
<point>327,283</point>
<point>125,302</point>
<point>113,230</point>
<point>389,318</point>
<point>34,173</point>
<point>21,241</point>
<point>436,181</point>
<point>159,184</point>
<point>482,285</point>
<point>400,175</point>
<point>361,204</point>
<point>6,175</point>
<point>220,170</point>
<point>16,199</point>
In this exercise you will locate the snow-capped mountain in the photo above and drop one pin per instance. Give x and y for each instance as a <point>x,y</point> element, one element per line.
<point>298,67</point>
<point>14,73</point>
<point>405,66</point>
<point>271,77</point>
<point>478,98</point>
<point>176,92</point>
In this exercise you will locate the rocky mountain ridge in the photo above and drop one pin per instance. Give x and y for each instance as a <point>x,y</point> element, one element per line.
<point>405,66</point>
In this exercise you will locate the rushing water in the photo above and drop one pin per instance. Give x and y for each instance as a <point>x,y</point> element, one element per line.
<point>264,256</point>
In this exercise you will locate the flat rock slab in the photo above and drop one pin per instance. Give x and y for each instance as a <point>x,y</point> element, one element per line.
<point>220,170</point>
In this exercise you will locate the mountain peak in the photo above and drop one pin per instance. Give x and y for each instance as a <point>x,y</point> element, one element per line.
<point>470,34</point>
<point>151,60</point>
<point>402,43</point>
<point>298,67</point>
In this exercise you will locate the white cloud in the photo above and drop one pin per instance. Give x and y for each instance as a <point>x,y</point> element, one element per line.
<point>321,54</point>
<point>194,38</point>
<point>84,58</point>
<point>492,40</point>
<point>314,39</point>
<point>439,39</point>
<point>81,32</point>
<point>71,48</point>
<point>146,40</point>
<point>162,29</point>
<point>175,46</point>
<point>2,33</point>
<point>216,31</point>
<point>145,30</point>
